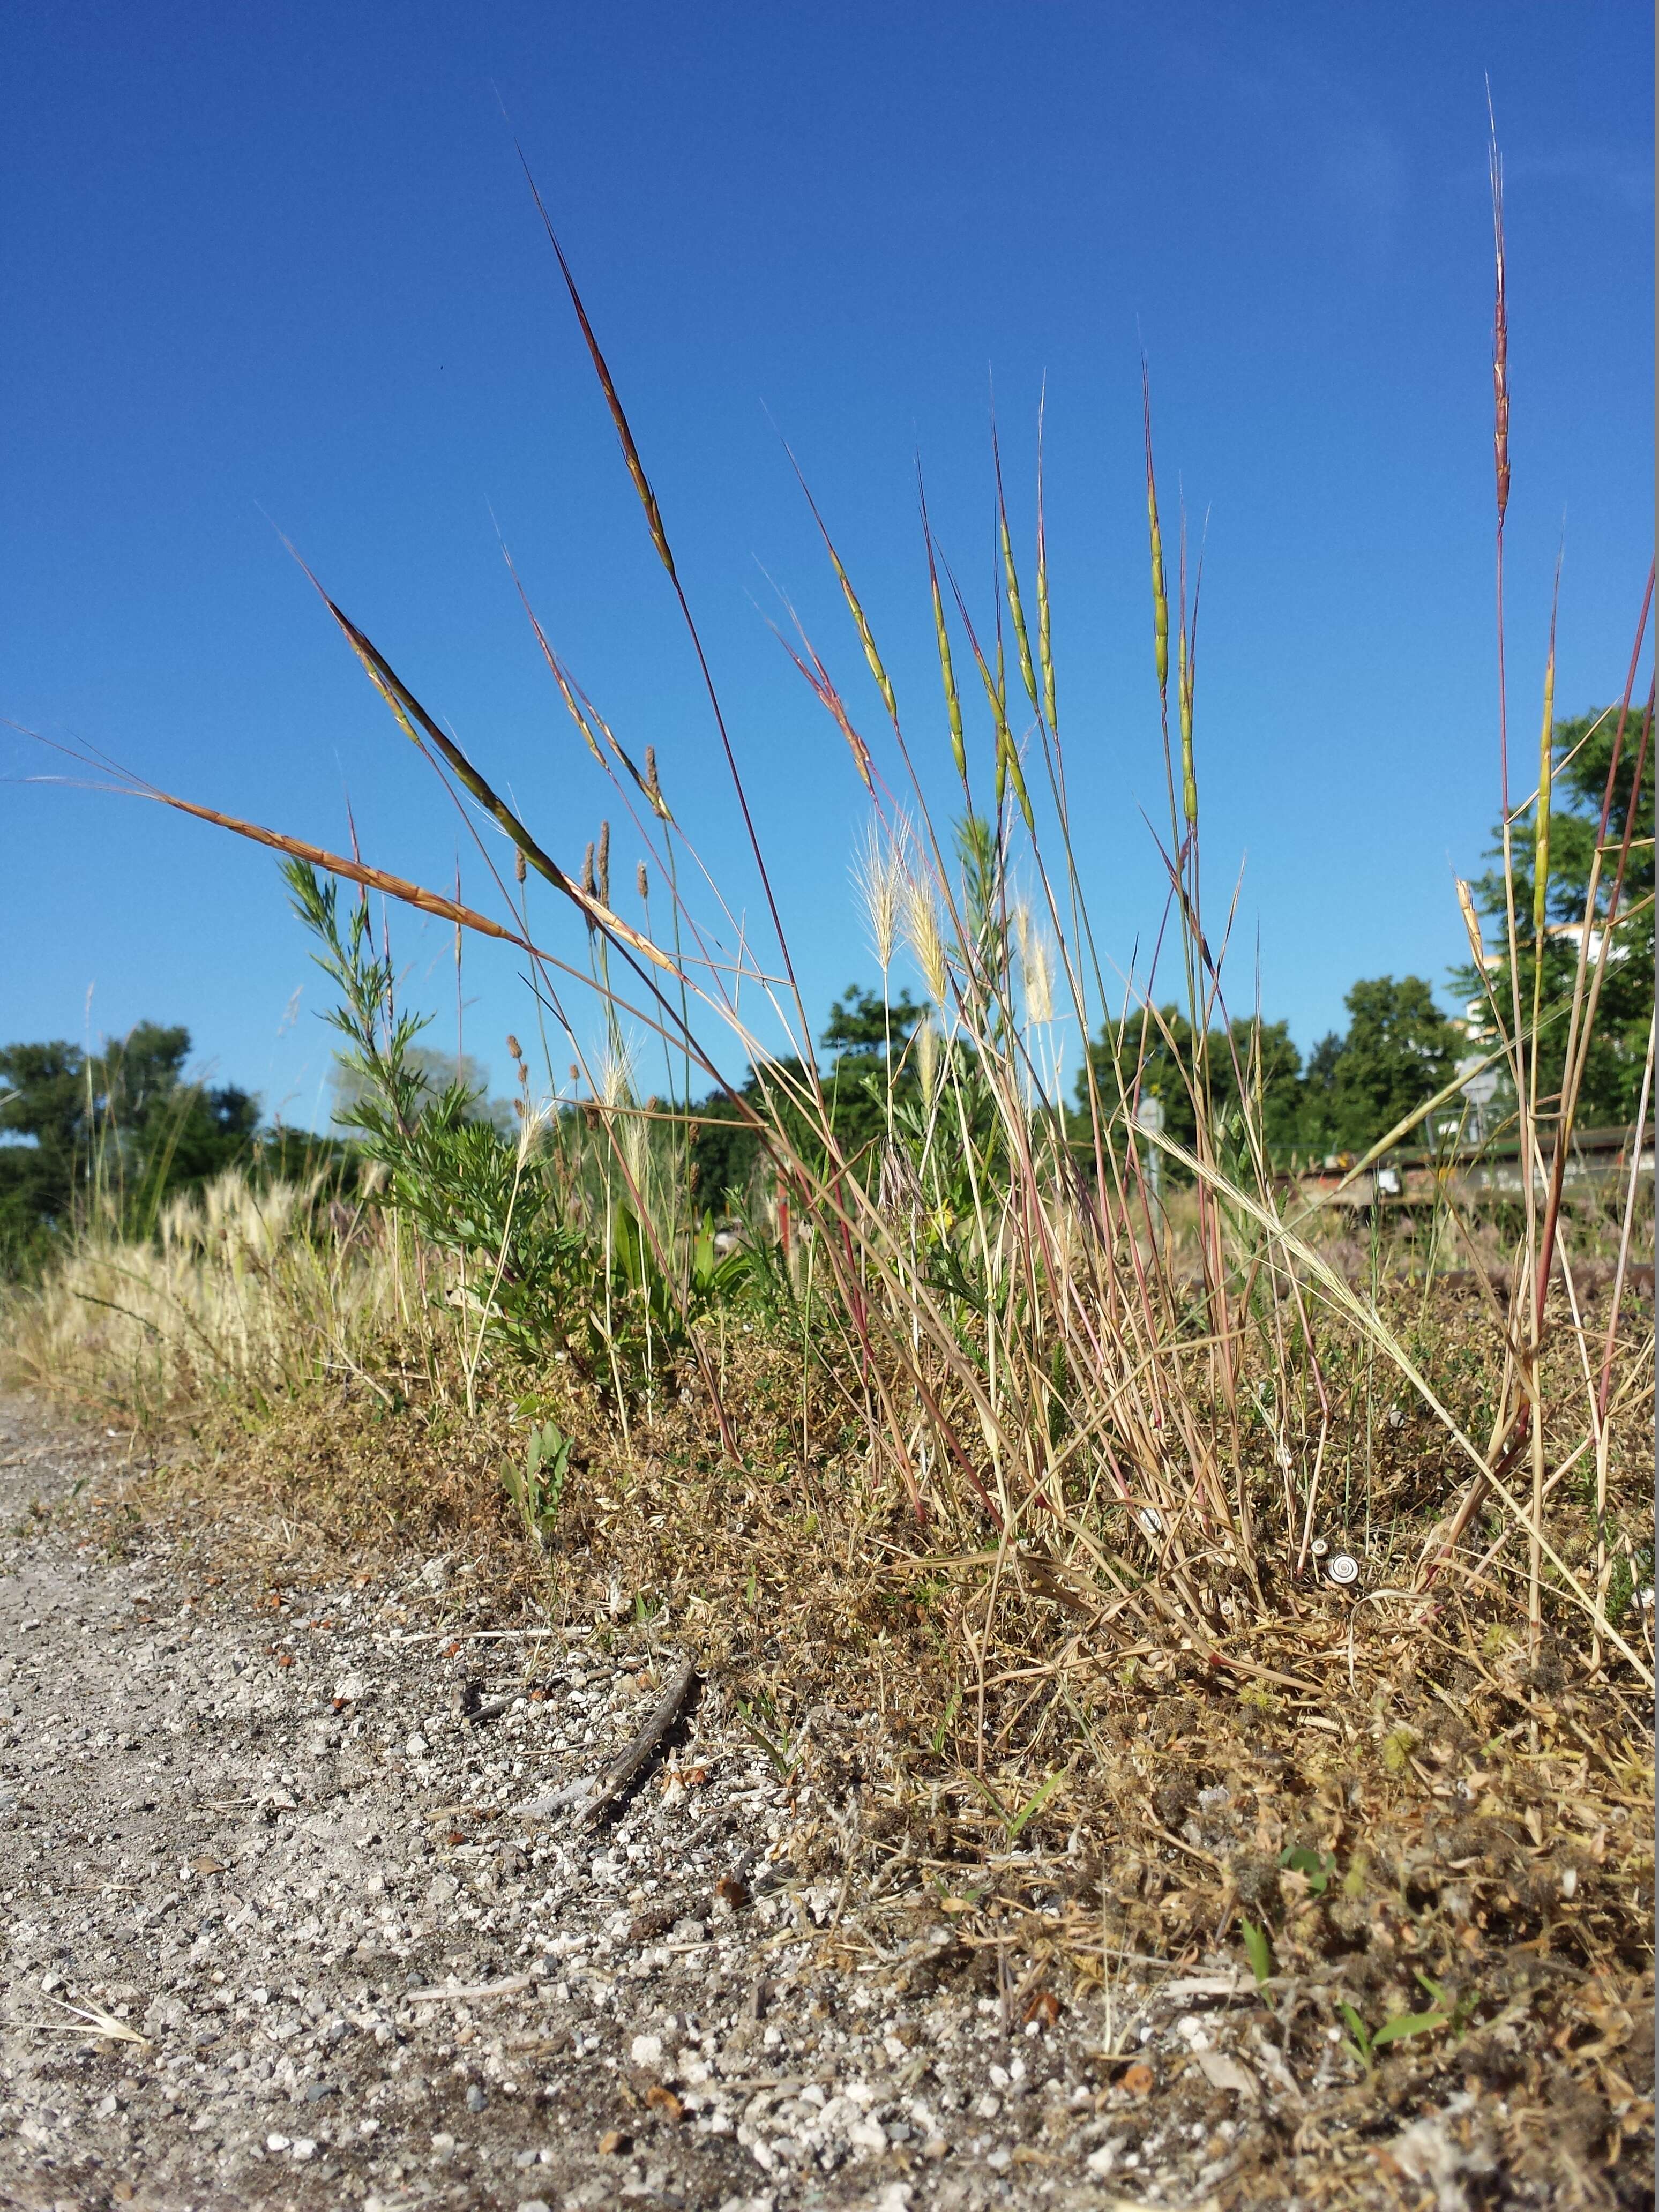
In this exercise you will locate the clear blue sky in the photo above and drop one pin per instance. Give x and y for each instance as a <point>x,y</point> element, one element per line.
<point>276,270</point>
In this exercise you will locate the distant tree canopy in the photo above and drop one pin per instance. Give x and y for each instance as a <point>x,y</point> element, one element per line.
<point>1583,750</point>
<point>1158,1051</point>
<point>434,1071</point>
<point>1398,1051</point>
<point>123,1123</point>
<point>862,1030</point>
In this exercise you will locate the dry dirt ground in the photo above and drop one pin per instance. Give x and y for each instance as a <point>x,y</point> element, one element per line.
<point>281,1931</point>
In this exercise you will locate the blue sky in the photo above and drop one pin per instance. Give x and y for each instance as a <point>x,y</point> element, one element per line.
<point>277,271</point>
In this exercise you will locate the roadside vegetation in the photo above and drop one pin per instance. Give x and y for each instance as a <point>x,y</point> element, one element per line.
<point>1127,1484</point>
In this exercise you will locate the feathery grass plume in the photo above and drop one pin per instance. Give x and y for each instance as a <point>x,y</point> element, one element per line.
<point>1036,965</point>
<point>520,869</point>
<point>927,1057</point>
<point>240,1284</point>
<point>919,918</point>
<point>1541,846</point>
<point>602,863</point>
<point>654,786</point>
<point>589,882</point>
<point>877,873</point>
<point>643,883</point>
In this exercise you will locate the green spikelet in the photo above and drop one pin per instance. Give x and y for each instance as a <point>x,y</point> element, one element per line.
<point>1045,653</point>
<point>1540,856</point>
<point>866,638</point>
<point>952,703</point>
<point>1160,593</point>
<point>1028,674</point>
<point>1188,778</point>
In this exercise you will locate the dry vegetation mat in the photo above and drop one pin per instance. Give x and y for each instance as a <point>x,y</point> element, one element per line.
<point>288,1723</point>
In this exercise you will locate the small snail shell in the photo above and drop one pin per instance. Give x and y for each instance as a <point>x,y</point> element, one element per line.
<point>1320,1547</point>
<point>1342,1567</point>
<point>1151,1520</point>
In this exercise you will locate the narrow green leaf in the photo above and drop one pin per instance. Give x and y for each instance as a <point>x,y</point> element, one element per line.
<point>1258,1951</point>
<point>1029,1811</point>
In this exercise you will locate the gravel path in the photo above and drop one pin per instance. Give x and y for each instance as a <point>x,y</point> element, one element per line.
<point>270,1845</point>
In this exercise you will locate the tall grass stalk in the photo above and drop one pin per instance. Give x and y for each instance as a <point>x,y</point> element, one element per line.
<point>1041,1364</point>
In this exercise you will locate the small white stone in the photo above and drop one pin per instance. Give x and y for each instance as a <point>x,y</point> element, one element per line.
<point>350,1688</point>
<point>645,2050</point>
<point>416,1746</point>
<point>303,2148</point>
<point>1100,2162</point>
<point>274,2141</point>
<point>434,1574</point>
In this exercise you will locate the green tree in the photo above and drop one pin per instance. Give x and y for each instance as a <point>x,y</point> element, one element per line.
<point>1259,1056</point>
<point>1583,749</point>
<point>1316,1127</point>
<point>1399,1050</point>
<point>860,1030</point>
<point>123,1125</point>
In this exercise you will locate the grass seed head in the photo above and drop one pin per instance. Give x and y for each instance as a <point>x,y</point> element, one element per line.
<point>922,935</point>
<point>877,870</point>
<point>1540,856</point>
<point>1189,776</point>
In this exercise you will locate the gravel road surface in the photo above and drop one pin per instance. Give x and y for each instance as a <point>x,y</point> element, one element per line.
<point>280,1931</point>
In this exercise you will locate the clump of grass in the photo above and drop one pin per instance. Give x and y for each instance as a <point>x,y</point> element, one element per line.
<point>247,1289</point>
<point>1048,1363</point>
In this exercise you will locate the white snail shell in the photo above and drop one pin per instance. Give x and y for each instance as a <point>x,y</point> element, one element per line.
<point>1320,1547</point>
<point>1151,1520</point>
<point>1342,1567</point>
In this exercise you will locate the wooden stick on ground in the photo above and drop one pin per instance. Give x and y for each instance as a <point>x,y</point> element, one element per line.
<point>617,1777</point>
<point>594,1796</point>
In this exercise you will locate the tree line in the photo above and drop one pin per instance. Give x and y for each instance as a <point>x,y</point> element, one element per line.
<point>123,1128</point>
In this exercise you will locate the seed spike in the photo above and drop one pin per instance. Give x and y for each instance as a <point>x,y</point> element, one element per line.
<point>1160,589</point>
<point>1540,860</point>
<point>1007,755</point>
<point>866,636</point>
<point>952,703</point>
<point>630,452</point>
<point>1045,653</point>
<point>1011,578</point>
